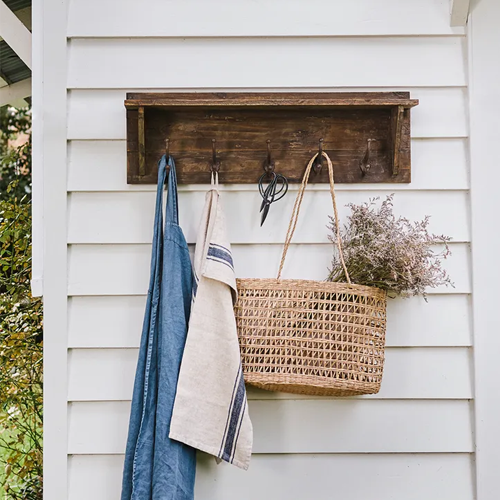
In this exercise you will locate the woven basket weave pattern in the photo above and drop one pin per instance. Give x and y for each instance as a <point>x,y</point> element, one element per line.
<point>311,337</point>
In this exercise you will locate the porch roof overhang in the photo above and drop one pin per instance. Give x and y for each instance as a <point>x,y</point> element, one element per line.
<point>15,51</point>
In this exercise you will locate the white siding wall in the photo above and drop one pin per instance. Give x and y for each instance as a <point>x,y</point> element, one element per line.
<point>414,439</point>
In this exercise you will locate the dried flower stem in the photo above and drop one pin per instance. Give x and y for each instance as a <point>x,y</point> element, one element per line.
<point>390,253</point>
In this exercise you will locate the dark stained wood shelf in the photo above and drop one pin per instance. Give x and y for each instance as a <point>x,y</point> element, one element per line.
<point>367,135</point>
<point>365,99</point>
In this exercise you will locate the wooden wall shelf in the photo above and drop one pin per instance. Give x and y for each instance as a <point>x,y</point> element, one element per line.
<point>367,135</point>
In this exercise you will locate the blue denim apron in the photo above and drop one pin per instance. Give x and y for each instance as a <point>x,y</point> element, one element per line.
<point>156,467</point>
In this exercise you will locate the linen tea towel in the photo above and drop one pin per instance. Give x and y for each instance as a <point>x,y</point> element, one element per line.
<point>210,410</point>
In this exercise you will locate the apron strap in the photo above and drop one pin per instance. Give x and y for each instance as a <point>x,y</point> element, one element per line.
<point>172,210</point>
<point>149,341</point>
<point>158,226</point>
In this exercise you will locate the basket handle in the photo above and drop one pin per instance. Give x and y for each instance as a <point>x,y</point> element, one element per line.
<point>296,209</point>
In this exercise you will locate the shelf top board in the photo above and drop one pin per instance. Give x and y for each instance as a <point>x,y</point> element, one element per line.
<point>266,99</point>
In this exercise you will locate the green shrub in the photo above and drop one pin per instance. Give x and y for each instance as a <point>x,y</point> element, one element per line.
<point>21,335</point>
<point>15,161</point>
<point>20,356</point>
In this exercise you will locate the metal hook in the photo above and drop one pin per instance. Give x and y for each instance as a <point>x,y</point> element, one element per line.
<point>318,162</point>
<point>364,164</point>
<point>167,148</point>
<point>269,165</point>
<point>215,163</point>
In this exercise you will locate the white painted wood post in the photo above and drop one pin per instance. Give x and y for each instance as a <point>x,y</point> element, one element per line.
<point>484,71</point>
<point>49,123</point>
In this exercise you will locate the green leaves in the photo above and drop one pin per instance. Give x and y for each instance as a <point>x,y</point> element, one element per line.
<point>21,332</point>
<point>20,357</point>
<point>15,152</point>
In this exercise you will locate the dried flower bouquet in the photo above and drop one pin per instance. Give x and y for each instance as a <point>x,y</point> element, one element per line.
<point>389,252</point>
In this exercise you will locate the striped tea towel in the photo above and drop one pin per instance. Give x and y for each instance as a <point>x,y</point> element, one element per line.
<point>210,410</point>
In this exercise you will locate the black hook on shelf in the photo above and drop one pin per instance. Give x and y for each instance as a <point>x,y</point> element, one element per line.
<point>167,148</point>
<point>365,164</point>
<point>318,162</point>
<point>215,163</point>
<point>269,165</point>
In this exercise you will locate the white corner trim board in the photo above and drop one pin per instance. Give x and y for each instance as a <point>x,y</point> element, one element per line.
<point>484,70</point>
<point>15,33</point>
<point>49,154</point>
<point>37,286</point>
<point>15,92</point>
<point>459,12</point>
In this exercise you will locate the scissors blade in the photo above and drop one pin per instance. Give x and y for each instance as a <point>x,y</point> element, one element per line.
<point>265,211</point>
<point>263,204</point>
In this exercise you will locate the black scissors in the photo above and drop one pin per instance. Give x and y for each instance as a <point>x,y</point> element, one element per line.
<point>275,190</point>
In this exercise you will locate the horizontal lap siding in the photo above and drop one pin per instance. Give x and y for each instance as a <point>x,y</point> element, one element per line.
<point>414,439</point>
<point>124,269</point>
<point>285,477</point>
<point>97,321</point>
<point>132,215</point>
<point>306,426</point>
<point>423,373</point>
<point>266,62</point>
<point>224,18</point>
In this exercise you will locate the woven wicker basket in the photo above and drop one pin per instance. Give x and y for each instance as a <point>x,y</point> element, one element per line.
<point>311,337</point>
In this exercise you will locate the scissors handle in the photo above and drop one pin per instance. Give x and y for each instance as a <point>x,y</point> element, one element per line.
<point>275,190</point>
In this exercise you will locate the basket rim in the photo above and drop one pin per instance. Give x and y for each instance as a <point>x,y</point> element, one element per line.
<point>311,384</point>
<point>256,283</point>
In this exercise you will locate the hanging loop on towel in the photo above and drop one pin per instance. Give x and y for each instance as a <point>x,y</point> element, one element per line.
<point>215,163</point>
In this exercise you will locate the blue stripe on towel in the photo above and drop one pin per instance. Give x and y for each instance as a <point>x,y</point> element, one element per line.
<point>220,261</point>
<point>195,284</point>
<point>236,415</point>
<point>215,245</point>
<point>220,254</point>
<point>239,429</point>
<point>229,413</point>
